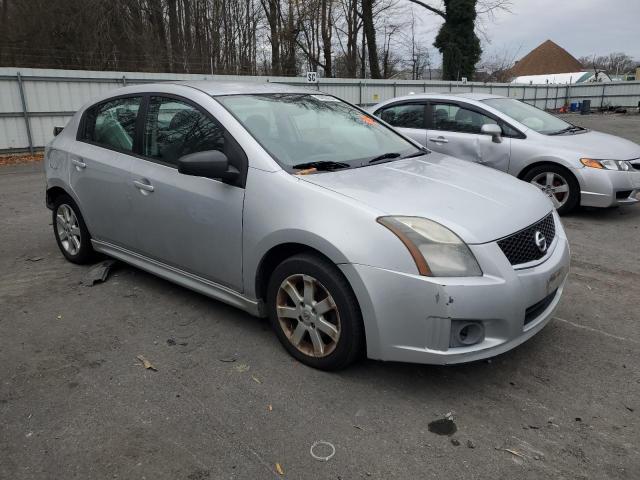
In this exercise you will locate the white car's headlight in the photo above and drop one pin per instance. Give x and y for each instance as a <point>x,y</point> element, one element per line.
<point>437,251</point>
<point>622,165</point>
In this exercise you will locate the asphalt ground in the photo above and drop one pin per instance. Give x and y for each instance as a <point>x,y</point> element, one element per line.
<point>227,402</point>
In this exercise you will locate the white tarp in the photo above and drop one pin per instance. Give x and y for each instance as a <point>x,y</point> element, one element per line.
<point>561,78</point>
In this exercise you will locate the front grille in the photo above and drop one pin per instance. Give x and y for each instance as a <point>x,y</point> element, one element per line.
<point>521,247</point>
<point>536,309</point>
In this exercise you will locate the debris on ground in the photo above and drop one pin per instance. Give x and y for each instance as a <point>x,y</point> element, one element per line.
<point>255,379</point>
<point>242,367</point>
<point>455,442</point>
<point>171,342</point>
<point>34,259</point>
<point>320,447</point>
<point>59,317</point>
<point>99,272</point>
<point>19,158</point>
<point>270,408</point>
<point>146,363</point>
<point>443,426</point>
<point>279,469</point>
<point>511,451</point>
<point>227,359</point>
<point>470,444</point>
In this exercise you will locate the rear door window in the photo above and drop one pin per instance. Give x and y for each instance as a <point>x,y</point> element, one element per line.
<point>405,115</point>
<point>112,124</point>
<point>174,128</point>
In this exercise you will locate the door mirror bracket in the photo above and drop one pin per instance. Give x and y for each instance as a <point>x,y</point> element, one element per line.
<point>494,130</point>
<point>210,164</point>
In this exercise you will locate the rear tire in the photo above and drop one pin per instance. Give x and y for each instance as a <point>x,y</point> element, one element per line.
<point>71,232</point>
<point>314,312</point>
<point>558,184</point>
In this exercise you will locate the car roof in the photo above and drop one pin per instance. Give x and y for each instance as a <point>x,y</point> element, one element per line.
<point>446,96</point>
<point>211,87</point>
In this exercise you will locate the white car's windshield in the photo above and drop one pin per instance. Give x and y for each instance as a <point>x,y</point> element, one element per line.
<point>532,117</point>
<point>307,130</point>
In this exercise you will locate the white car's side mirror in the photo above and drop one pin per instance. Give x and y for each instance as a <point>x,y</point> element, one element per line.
<point>494,130</point>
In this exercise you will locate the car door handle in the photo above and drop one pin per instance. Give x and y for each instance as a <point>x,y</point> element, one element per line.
<point>439,140</point>
<point>78,163</point>
<point>143,186</point>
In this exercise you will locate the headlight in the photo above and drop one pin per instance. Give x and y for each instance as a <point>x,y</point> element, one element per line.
<point>437,251</point>
<point>606,164</point>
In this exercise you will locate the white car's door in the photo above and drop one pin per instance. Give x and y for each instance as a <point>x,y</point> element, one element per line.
<point>407,117</point>
<point>455,129</point>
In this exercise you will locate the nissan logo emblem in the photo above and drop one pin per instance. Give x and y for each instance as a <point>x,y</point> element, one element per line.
<point>541,241</point>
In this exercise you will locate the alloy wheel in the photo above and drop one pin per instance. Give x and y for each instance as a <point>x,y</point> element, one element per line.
<point>308,315</point>
<point>554,185</point>
<point>68,229</point>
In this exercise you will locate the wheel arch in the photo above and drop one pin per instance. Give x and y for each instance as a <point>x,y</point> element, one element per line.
<point>276,255</point>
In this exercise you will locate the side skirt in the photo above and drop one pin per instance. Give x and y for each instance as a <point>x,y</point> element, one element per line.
<point>180,277</point>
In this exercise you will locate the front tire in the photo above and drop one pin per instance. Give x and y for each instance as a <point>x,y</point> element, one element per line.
<point>315,313</point>
<point>558,184</point>
<point>71,232</point>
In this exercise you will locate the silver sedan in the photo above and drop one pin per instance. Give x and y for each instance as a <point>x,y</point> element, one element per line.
<point>572,165</point>
<point>299,207</point>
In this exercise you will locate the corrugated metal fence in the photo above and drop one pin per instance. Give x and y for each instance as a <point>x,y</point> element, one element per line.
<point>33,101</point>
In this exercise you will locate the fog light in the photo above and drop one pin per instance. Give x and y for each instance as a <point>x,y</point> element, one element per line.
<point>465,333</point>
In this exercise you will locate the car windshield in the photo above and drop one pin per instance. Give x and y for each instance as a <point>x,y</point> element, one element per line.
<point>307,130</point>
<point>532,117</point>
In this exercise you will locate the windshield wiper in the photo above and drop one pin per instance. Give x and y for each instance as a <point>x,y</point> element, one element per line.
<point>570,128</point>
<point>384,156</point>
<point>322,165</point>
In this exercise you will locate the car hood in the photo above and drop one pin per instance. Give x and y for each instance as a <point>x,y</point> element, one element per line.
<point>477,203</point>
<point>596,145</point>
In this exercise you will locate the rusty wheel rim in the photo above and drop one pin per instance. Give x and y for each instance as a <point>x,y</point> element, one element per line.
<point>308,315</point>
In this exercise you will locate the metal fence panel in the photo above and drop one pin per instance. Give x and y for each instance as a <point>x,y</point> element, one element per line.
<point>50,96</point>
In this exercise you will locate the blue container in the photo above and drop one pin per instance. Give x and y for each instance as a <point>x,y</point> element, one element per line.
<point>574,107</point>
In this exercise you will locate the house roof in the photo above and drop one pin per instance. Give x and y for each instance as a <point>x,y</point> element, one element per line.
<point>549,57</point>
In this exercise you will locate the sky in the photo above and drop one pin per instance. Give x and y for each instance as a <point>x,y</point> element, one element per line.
<point>582,27</point>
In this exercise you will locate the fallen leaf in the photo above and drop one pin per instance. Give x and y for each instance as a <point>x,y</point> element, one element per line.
<point>146,363</point>
<point>242,367</point>
<point>270,408</point>
<point>279,469</point>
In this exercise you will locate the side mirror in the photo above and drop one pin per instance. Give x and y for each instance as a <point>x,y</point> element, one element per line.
<point>209,164</point>
<point>494,130</point>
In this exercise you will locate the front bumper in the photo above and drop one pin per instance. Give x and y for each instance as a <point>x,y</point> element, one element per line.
<point>607,188</point>
<point>408,317</point>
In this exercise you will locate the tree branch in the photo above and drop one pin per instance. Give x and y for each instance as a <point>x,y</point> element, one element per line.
<point>430,8</point>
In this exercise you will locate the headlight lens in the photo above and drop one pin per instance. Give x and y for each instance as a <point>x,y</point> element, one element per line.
<point>606,164</point>
<point>437,251</point>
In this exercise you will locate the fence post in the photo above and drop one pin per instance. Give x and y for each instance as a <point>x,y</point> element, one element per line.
<point>508,89</point>
<point>450,86</point>
<point>424,87</point>
<point>555,102</point>
<point>546,96</point>
<point>604,86</point>
<point>360,93</point>
<point>535,95</point>
<point>124,80</point>
<point>568,94</point>
<point>394,89</point>
<point>25,112</point>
